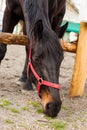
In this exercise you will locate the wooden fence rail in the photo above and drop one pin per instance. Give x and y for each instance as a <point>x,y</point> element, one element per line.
<point>15,39</point>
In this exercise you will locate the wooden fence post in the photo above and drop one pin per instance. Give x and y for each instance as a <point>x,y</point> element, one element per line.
<point>80,67</point>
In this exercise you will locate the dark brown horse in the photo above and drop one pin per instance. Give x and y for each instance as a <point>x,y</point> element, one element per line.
<point>42,20</point>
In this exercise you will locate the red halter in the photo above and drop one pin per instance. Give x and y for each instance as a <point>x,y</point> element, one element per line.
<point>38,78</point>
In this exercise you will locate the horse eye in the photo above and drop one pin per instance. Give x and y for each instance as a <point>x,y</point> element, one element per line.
<point>36,58</point>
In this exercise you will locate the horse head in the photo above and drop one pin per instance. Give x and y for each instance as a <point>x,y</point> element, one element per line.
<point>46,59</point>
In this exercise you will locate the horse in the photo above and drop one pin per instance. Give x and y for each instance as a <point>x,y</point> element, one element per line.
<point>42,24</point>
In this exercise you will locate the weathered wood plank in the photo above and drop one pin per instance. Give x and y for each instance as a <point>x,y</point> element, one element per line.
<point>15,39</point>
<point>69,47</point>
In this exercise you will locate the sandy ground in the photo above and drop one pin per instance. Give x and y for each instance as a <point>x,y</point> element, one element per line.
<point>21,110</point>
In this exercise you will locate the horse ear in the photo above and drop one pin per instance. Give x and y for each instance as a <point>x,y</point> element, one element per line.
<point>62,30</point>
<point>38,29</point>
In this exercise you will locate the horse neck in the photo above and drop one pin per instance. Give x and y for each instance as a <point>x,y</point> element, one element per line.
<point>34,11</point>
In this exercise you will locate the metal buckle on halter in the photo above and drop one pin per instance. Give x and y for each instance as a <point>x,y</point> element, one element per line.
<point>40,81</point>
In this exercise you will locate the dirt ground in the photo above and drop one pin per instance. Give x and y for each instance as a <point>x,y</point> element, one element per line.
<point>21,110</point>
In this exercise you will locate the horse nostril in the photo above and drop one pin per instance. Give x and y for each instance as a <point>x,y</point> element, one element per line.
<point>52,106</point>
<point>48,106</point>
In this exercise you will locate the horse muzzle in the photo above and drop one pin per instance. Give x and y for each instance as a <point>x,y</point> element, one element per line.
<point>52,108</point>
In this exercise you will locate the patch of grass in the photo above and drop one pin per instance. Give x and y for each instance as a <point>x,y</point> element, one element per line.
<point>14,110</point>
<point>1,105</point>
<point>25,108</point>
<point>70,112</point>
<point>58,125</point>
<point>35,104</point>
<point>86,94</point>
<point>49,118</point>
<point>4,103</point>
<point>80,119</point>
<point>65,108</point>
<point>23,125</point>
<point>17,104</point>
<point>9,121</point>
<point>75,126</point>
<point>84,113</point>
<point>41,125</point>
<point>39,110</point>
<point>38,107</point>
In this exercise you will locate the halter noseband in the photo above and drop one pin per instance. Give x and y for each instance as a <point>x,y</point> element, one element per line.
<point>38,78</point>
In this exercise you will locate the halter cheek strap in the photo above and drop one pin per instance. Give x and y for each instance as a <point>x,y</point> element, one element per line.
<point>38,78</point>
